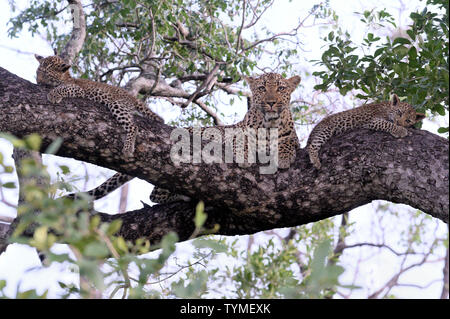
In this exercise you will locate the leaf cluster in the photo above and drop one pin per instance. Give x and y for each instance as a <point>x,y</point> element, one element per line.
<point>414,66</point>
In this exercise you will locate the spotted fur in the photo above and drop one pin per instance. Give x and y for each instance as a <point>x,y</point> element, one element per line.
<point>110,185</point>
<point>53,71</point>
<point>270,108</point>
<point>271,95</point>
<point>390,116</point>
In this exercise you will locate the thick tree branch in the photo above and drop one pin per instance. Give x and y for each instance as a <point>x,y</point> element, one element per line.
<point>76,41</point>
<point>358,167</point>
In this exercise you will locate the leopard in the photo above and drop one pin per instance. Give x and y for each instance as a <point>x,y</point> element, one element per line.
<point>392,117</point>
<point>53,72</point>
<point>269,107</point>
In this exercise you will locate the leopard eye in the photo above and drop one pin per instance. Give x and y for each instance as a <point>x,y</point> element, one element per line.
<point>281,88</point>
<point>262,89</point>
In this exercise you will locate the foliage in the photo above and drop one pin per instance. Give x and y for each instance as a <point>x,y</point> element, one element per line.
<point>414,66</point>
<point>176,42</point>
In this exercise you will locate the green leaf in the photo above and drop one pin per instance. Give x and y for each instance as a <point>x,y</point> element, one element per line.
<point>412,34</point>
<point>54,147</point>
<point>33,142</point>
<point>442,130</point>
<point>210,243</point>
<point>379,52</point>
<point>90,270</point>
<point>200,216</point>
<point>65,169</point>
<point>40,238</point>
<point>331,36</point>
<point>440,109</point>
<point>400,40</point>
<point>401,51</point>
<point>194,289</point>
<point>9,185</point>
<point>412,53</point>
<point>114,227</point>
<point>96,249</point>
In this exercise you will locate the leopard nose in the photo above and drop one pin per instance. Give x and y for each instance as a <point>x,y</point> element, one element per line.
<point>271,104</point>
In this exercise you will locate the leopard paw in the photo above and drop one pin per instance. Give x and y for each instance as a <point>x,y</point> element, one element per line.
<point>54,97</point>
<point>128,150</point>
<point>401,132</point>
<point>284,163</point>
<point>316,163</point>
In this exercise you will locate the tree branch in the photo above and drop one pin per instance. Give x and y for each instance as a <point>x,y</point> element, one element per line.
<point>357,167</point>
<point>78,34</point>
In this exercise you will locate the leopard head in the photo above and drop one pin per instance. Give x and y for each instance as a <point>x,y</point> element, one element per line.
<point>402,113</point>
<point>271,94</point>
<point>52,71</point>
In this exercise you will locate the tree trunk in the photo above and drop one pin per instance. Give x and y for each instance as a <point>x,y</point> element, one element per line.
<point>357,167</point>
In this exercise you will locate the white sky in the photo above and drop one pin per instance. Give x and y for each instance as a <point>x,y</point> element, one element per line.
<point>16,264</point>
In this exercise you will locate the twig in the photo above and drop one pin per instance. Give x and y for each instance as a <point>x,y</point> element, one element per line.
<point>238,40</point>
<point>205,84</point>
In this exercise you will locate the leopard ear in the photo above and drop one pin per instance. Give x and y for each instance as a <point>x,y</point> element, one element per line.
<point>64,67</point>
<point>250,81</point>
<point>294,81</point>
<point>39,58</point>
<point>395,100</point>
<point>419,117</point>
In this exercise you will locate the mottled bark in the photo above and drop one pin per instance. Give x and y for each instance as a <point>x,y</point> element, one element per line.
<point>357,168</point>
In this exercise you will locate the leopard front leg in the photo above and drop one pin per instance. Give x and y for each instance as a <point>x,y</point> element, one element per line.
<point>313,152</point>
<point>130,140</point>
<point>318,137</point>
<point>287,147</point>
<point>66,90</point>
<point>378,124</point>
<point>125,118</point>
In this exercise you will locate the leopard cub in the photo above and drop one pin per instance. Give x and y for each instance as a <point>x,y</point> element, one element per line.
<point>53,71</point>
<point>389,116</point>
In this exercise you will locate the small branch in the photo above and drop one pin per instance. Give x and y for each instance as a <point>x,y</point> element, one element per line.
<point>238,40</point>
<point>226,88</point>
<point>210,112</point>
<point>379,246</point>
<point>121,68</point>
<point>394,280</point>
<point>202,77</point>
<point>256,17</point>
<point>292,33</point>
<point>191,45</point>
<point>204,85</point>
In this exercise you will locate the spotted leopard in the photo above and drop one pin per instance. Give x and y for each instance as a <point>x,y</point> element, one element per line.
<point>389,116</point>
<point>53,71</point>
<point>269,108</point>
